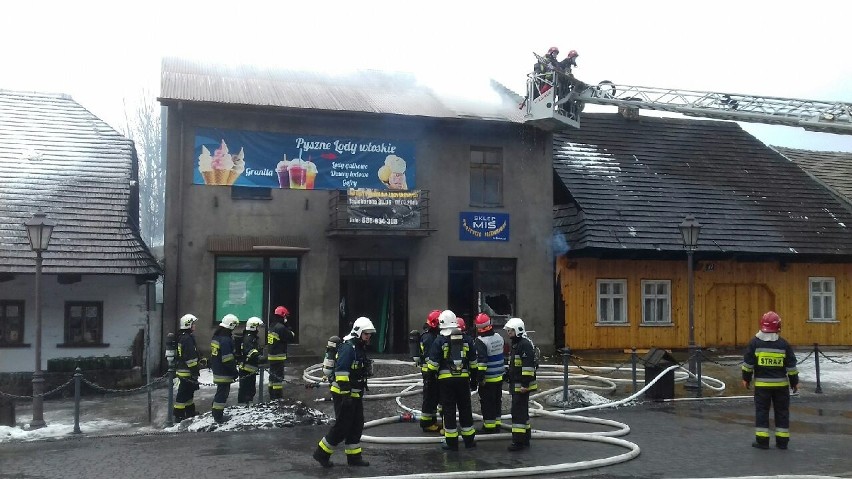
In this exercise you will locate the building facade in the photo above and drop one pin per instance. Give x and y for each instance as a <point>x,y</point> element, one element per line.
<point>364,194</point>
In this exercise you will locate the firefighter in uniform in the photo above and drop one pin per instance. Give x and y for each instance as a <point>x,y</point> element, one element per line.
<point>429,409</point>
<point>250,358</point>
<point>223,363</point>
<point>453,357</point>
<point>186,369</point>
<point>770,362</point>
<point>351,370</point>
<point>277,338</point>
<point>521,382</point>
<point>489,357</point>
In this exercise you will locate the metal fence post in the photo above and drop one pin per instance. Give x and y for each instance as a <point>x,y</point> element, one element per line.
<point>816,366</point>
<point>566,352</point>
<point>78,379</point>
<point>633,360</point>
<point>698,360</point>
<point>260,384</point>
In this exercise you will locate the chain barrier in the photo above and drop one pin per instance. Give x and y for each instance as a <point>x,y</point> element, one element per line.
<point>835,361</point>
<point>615,370</point>
<point>144,387</point>
<point>48,393</point>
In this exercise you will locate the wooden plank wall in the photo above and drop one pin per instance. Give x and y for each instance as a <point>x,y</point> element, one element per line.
<point>730,297</point>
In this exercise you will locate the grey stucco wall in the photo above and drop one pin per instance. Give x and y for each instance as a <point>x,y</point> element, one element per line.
<point>442,160</point>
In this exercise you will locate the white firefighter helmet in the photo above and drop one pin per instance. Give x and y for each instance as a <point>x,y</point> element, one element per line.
<point>447,322</point>
<point>516,325</point>
<point>253,323</point>
<point>229,321</point>
<point>362,325</point>
<point>187,320</point>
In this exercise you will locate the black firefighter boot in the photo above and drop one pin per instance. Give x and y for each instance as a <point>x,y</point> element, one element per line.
<point>781,442</point>
<point>518,441</point>
<point>322,457</point>
<point>190,411</point>
<point>761,442</point>
<point>527,437</point>
<point>218,415</point>
<point>179,414</point>
<point>450,444</point>
<point>469,441</point>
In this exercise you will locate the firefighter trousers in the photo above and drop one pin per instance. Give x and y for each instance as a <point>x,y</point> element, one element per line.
<point>184,406</point>
<point>778,399</point>
<point>429,410</point>
<point>248,388</point>
<point>347,428</point>
<point>455,393</point>
<point>491,400</point>
<point>276,379</point>
<point>521,430</point>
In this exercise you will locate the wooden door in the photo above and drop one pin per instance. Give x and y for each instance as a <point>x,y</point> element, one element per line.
<point>732,313</point>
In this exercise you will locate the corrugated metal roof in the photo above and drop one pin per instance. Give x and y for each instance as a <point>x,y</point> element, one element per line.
<point>834,168</point>
<point>59,158</point>
<point>368,91</point>
<point>634,181</point>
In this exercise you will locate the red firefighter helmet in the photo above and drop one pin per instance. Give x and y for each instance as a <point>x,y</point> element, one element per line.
<point>573,54</point>
<point>482,322</point>
<point>553,51</point>
<point>770,322</point>
<point>462,324</point>
<point>281,311</point>
<point>432,319</point>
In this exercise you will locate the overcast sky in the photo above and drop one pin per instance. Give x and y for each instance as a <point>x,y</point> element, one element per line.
<point>107,53</point>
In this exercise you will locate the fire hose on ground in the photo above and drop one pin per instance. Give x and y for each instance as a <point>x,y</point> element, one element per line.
<point>411,384</point>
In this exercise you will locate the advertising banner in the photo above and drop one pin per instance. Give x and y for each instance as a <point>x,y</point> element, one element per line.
<point>301,162</point>
<point>384,209</point>
<point>483,226</point>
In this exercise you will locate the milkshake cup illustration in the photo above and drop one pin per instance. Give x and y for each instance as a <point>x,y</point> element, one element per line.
<point>310,174</point>
<point>298,175</point>
<point>283,175</point>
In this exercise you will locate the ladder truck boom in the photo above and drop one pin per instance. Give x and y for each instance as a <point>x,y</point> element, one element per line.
<point>565,97</point>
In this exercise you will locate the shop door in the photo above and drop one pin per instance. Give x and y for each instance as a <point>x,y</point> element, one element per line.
<point>377,289</point>
<point>284,290</point>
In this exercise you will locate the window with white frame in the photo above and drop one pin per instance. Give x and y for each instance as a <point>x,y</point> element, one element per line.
<point>656,302</point>
<point>822,299</point>
<point>612,301</point>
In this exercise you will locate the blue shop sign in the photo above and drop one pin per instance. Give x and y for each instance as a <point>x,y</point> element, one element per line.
<point>301,162</point>
<point>483,226</point>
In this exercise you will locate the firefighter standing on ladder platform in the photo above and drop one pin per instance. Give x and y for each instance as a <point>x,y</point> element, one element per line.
<point>453,357</point>
<point>770,361</point>
<point>277,338</point>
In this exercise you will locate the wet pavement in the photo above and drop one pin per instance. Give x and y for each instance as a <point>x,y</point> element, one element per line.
<point>679,439</point>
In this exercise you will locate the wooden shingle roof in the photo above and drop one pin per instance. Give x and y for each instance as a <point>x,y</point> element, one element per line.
<point>833,168</point>
<point>59,158</point>
<point>632,182</point>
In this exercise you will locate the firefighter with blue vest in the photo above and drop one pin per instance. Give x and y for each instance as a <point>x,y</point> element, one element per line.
<point>250,359</point>
<point>489,356</point>
<point>769,361</point>
<point>453,357</point>
<point>522,380</point>
<point>429,409</point>
<point>277,338</point>
<point>186,369</point>
<point>223,363</point>
<point>351,370</point>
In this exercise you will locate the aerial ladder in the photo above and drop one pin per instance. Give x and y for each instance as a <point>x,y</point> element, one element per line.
<point>556,100</point>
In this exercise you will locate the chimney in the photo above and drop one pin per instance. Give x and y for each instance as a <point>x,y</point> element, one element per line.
<point>629,112</point>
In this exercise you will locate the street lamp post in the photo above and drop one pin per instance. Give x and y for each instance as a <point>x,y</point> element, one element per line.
<point>39,229</point>
<point>689,229</point>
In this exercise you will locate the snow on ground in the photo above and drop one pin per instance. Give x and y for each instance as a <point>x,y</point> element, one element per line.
<point>269,415</point>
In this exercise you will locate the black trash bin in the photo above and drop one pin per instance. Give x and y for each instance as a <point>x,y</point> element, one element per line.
<point>7,412</point>
<point>656,361</point>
